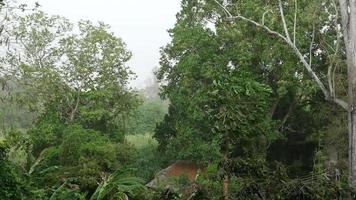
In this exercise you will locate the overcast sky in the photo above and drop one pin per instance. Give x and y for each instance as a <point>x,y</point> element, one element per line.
<point>142,24</point>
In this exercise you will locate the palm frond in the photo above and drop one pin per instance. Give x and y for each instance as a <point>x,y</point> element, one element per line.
<point>119,184</point>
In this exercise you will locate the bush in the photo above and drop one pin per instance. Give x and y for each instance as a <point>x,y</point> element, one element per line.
<point>252,179</point>
<point>46,132</point>
<point>12,186</point>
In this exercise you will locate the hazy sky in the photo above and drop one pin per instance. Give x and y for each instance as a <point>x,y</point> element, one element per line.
<point>142,24</point>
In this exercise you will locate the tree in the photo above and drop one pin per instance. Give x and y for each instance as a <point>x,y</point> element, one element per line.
<point>348,15</point>
<point>57,65</point>
<point>226,115</point>
<point>74,76</point>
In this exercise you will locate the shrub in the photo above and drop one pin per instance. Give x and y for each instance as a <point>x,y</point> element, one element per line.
<point>12,186</point>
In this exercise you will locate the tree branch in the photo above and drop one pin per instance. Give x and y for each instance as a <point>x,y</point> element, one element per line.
<point>332,66</point>
<point>291,44</point>
<point>311,47</point>
<point>345,16</point>
<point>285,27</point>
<point>295,20</point>
<point>231,17</point>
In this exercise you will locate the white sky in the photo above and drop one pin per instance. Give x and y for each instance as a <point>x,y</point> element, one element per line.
<point>142,24</point>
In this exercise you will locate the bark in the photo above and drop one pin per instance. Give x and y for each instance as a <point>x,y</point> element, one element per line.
<point>226,187</point>
<point>226,180</point>
<point>348,17</point>
<point>75,108</point>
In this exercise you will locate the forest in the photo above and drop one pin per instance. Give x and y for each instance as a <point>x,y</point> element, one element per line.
<point>252,100</point>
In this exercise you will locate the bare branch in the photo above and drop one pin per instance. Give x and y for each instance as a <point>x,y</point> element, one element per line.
<point>285,27</point>
<point>263,17</point>
<point>345,16</point>
<point>332,66</point>
<point>261,26</point>
<point>341,103</point>
<point>311,47</point>
<point>295,20</point>
<point>231,17</point>
<point>291,44</point>
<point>224,8</point>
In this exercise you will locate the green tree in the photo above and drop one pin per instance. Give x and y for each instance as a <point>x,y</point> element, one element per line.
<point>340,17</point>
<point>209,47</point>
<point>55,66</point>
<point>227,109</point>
<point>77,82</point>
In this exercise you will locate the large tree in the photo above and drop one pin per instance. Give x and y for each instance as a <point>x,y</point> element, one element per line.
<point>54,66</point>
<point>343,13</point>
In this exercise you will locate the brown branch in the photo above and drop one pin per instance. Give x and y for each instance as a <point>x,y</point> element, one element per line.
<point>286,117</point>
<point>274,106</point>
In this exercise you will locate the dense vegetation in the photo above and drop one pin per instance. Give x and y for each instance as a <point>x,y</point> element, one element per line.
<point>235,100</point>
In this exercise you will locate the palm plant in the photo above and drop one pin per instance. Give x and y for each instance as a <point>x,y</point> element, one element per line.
<point>119,186</point>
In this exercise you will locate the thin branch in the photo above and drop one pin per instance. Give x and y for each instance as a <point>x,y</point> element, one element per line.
<point>332,67</point>
<point>74,110</point>
<point>286,117</point>
<point>341,103</point>
<point>261,26</point>
<point>285,27</point>
<point>224,8</point>
<point>333,81</point>
<point>295,20</point>
<point>290,43</point>
<point>311,46</point>
<point>263,17</point>
<point>231,17</point>
<point>332,70</point>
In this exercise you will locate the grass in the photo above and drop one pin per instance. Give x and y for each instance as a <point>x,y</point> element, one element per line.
<point>141,141</point>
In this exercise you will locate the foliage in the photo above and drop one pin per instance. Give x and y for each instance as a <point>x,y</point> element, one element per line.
<point>228,103</point>
<point>147,161</point>
<point>12,183</point>
<point>144,118</point>
<point>84,156</point>
<point>75,78</point>
<point>142,141</point>
<point>247,90</point>
<point>74,69</point>
<point>64,193</point>
<point>255,179</point>
<point>238,101</point>
<point>119,185</point>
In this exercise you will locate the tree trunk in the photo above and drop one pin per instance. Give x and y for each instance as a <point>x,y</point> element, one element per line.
<point>348,16</point>
<point>352,148</point>
<point>226,180</point>
<point>226,187</point>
